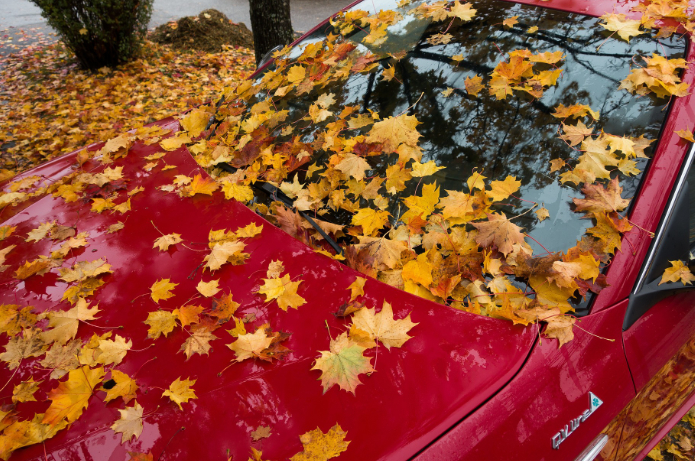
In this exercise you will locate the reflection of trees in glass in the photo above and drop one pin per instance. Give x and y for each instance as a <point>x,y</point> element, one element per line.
<point>516,136</point>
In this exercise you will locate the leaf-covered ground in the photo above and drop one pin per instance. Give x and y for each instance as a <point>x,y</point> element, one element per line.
<point>48,106</point>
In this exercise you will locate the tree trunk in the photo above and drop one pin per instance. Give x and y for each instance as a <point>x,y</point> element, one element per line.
<point>271,25</point>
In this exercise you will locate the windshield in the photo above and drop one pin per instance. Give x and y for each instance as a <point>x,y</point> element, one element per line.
<point>422,123</point>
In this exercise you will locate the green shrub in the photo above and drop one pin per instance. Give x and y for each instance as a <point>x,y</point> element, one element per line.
<point>99,32</point>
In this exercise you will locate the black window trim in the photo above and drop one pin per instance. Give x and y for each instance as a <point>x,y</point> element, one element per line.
<point>665,219</point>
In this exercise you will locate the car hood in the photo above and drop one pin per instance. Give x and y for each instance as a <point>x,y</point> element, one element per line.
<point>454,362</point>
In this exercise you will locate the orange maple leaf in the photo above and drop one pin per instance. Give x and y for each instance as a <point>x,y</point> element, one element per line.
<point>500,232</point>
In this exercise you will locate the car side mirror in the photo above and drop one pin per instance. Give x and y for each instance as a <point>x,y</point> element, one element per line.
<point>673,243</point>
<point>268,56</point>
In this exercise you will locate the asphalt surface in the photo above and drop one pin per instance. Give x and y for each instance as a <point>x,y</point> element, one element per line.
<point>21,23</point>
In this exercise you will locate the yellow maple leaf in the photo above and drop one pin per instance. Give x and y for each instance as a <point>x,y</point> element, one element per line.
<point>222,252</point>
<point>14,319</point>
<point>385,251</point>
<point>371,220</point>
<point>112,351</point>
<point>130,422</point>
<point>175,142</point>
<point>71,397</point>
<point>275,269</point>
<point>161,289</point>
<point>319,446</point>
<point>608,230</point>
<point>318,114</point>
<point>84,270</point>
<point>393,131</point>
<point>421,206</point>
<point>63,324</point>
<point>83,289</point>
<point>208,289</point>
<point>249,231</point>
<point>418,270</point>
<point>113,228</point>
<point>6,231</point>
<point>24,391</point>
<point>501,190</point>
<point>165,241</point>
<point>125,387</point>
<point>237,192</point>
<point>357,287</point>
<point>353,165</point>
<point>383,326</point>
<point>575,111</point>
<point>122,207</point>
<point>296,74</point>
<point>239,328</point>
<point>425,169</point>
<point>474,85</point>
<point>396,176</point>
<point>19,348</point>
<point>560,328</point>
<point>75,242</point>
<point>596,158</point>
<point>291,189</point>
<point>181,391</point>
<point>342,364</point>
<point>463,11</point>
<point>250,345</point>
<point>510,22</point>
<point>40,232</point>
<point>188,314</point>
<point>201,185</point>
<point>194,122</point>
<point>542,214</point>
<point>678,272</point>
<point>624,27</point>
<point>686,134</point>
<point>100,204</point>
<point>498,231</point>
<point>284,290</point>
<point>198,343</point>
<point>38,266</point>
<point>574,134</point>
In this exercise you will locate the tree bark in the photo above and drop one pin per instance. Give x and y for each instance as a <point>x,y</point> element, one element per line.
<point>271,25</point>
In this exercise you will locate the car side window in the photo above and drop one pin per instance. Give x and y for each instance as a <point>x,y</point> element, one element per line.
<point>674,241</point>
<point>691,218</point>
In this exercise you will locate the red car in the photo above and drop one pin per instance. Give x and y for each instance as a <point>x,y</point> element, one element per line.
<point>123,264</point>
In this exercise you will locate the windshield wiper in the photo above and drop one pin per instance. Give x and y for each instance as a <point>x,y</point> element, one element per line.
<point>273,191</point>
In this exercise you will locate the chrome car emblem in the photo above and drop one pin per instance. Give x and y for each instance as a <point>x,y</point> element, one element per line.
<point>594,403</point>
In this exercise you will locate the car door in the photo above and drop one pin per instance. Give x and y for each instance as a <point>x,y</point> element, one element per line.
<point>659,326</point>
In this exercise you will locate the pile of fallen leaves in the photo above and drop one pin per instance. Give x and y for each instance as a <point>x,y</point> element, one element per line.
<point>210,31</point>
<point>48,106</point>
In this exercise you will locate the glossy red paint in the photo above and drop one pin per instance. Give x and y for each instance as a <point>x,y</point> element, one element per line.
<point>454,362</point>
<point>550,390</point>
<point>656,337</point>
